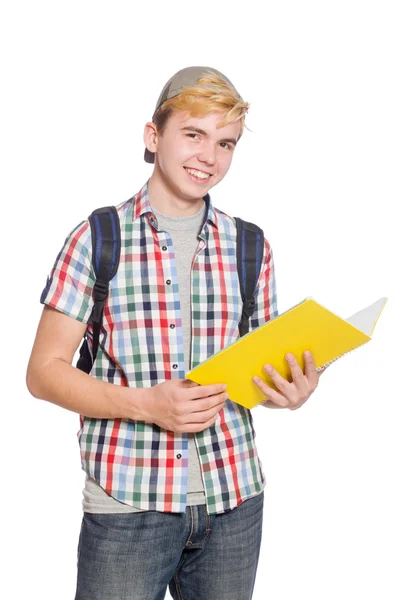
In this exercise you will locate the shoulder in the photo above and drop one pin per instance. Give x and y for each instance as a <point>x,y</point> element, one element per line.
<point>79,239</point>
<point>125,208</point>
<point>230,222</point>
<point>224,219</point>
<point>81,235</point>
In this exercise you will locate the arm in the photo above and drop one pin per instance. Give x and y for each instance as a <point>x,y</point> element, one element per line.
<point>51,376</point>
<point>176,405</point>
<point>68,299</point>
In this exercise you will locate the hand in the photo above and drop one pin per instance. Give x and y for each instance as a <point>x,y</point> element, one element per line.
<point>182,405</point>
<point>293,394</point>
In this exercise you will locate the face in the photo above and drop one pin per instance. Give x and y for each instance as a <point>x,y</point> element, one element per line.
<point>192,154</point>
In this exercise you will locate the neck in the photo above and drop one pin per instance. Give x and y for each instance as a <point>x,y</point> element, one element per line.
<point>164,198</point>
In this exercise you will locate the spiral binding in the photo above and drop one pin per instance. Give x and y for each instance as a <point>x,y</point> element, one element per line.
<point>325,365</point>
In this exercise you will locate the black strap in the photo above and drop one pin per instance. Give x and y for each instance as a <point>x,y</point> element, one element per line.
<point>105,228</point>
<point>250,244</point>
<point>105,231</point>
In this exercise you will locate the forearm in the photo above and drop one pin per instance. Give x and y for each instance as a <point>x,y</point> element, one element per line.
<point>60,383</point>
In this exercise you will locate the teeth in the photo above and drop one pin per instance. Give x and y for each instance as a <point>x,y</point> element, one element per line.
<point>199,174</point>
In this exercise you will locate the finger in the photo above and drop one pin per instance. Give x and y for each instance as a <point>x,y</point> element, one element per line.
<point>270,393</point>
<point>203,391</point>
<point>189,383</point>
<point>196,427</point>
<point>282,384</point>
<point>200,416</point>
<point>298,376</point>
<point>205,404</point>
<point>311,373</point>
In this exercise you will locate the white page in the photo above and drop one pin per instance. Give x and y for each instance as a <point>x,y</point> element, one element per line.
<point>365,319</point>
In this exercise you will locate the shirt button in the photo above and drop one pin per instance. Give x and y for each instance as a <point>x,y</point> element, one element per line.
<point>179,455</point>
<point>168,281</point>
<point>174,366</point>
<point>172,326</point>
<point>164,248</point>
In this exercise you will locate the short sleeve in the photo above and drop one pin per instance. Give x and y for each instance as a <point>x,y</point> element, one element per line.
<point>70,283</point>
<point>265,291</point>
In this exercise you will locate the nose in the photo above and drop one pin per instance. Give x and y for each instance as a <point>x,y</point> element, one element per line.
<point>207,154</point>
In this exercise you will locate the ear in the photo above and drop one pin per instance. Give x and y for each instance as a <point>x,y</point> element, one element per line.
<point>150,136</point>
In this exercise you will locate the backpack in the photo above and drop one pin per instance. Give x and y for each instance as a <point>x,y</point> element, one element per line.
<point>105,228</point>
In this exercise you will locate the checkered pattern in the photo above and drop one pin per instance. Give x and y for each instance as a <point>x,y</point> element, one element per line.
<point>136,462</point>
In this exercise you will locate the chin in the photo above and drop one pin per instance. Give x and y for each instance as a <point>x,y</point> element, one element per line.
<point>192,191</point>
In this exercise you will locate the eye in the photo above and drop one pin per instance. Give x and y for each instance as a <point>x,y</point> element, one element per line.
<point>228,146</point>
<point>191,135</point>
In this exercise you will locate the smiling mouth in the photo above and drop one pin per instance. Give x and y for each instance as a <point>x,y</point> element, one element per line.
<point>199,175</point>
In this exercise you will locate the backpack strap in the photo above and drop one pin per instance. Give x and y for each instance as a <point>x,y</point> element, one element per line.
<point>250,245</point>
<point>105,230</point>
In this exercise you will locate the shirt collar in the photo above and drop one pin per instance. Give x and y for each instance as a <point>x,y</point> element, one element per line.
<point>141,206</point>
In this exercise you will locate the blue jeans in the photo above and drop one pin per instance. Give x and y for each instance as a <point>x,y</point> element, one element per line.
<point>135,556</point>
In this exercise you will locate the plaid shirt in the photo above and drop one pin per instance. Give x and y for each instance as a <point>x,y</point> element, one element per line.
<point>141,345</point>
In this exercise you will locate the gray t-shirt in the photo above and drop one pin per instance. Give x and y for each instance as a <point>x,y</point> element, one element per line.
<point>184,233</point>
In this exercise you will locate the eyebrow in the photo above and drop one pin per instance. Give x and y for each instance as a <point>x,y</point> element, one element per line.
<point>197,130</point>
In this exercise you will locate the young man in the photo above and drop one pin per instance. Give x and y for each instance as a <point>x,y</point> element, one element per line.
<point>174,485</point>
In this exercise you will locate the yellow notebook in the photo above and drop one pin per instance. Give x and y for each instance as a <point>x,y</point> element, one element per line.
<point>306,326</point>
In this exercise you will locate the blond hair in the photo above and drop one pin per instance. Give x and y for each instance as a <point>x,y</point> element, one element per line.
<point>211,93</point>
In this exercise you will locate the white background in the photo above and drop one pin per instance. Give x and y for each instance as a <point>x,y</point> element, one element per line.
<point>317,171</point>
